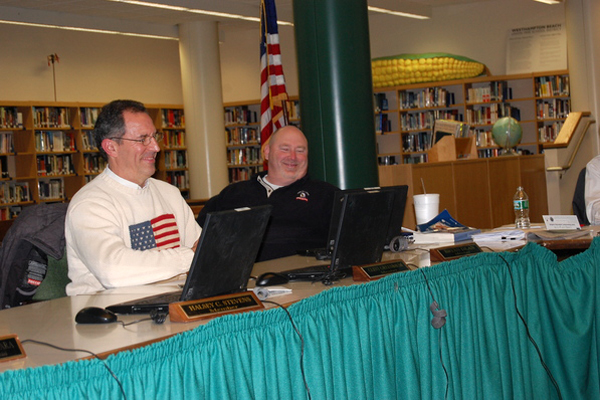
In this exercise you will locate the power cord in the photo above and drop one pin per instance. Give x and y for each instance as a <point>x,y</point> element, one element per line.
<point>82,351</point>
<point>438,321</point>
<point>539,353</point>
<point>301,344</point>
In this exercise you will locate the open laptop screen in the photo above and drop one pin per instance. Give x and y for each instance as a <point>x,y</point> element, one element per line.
<point>396,214</point>
<point>222,262</point>
<point>362,228</point>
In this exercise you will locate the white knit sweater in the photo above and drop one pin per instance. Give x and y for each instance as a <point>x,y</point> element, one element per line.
<point>99,231</point>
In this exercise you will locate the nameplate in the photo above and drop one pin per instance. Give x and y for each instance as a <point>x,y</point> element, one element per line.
<point>371,272</point>
<point>211,307</point>
<point>453,252</point>
<point>10,348</point>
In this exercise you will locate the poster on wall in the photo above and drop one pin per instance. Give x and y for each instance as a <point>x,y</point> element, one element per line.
<point>536,49</point>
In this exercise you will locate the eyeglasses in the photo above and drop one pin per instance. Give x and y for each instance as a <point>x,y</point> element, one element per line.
<point>144,140</point>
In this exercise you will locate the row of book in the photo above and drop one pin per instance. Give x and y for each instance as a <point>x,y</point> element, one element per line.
<point>426,119</point>
<point>548,86</point>
<point>380,102</point>
<point>10,117</point>
<point>55,141</point>
<point>54,165</point>
<point>88,141</point>
<point>173,118</point>
<point>414,142</point>
<point>93,163</point>
<point>426,98</point>
<point>242,135</point>
<point>53,189</point>
<point>382,123</point>
<point>88,116</point>
<point>51,117</point>
<point>548,133</point>
<point>415,158</point>
<point>243,174</point>
<point>180,179</point>
<point>8,213</point>
<point>485,115</point>
<point>244,156</point>
<point>555,108</point>
<point>174,139</point>
<point>176,159</point>
<point>4,174</point>
<point>6,142</point>
<point>496,91</point>
<point>240,115</point>
<point>14,192</point>
<point>483,138</point>
<point>387,160</point>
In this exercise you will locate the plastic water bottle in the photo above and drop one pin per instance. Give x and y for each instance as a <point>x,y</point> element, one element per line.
<point>521,206</point>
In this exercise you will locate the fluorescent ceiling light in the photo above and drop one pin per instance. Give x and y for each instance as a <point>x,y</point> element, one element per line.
<point>398,13</point>
<point>550,1</point>
<point>195,11</point>
<point>72,28</point>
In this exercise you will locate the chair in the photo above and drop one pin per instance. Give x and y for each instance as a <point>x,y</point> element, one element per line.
<point>579,199</point>
<point>36,237</point>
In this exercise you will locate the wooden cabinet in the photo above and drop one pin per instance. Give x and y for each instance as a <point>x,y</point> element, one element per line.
<point>47,152</point>
<point>405,115</point>
<point>242,137</point>
<point>476,192</point>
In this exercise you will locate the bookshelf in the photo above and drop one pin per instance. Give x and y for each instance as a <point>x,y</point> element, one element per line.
<point>404,115</point>
<point>172,161</point>
<point>47,152</point>
<point>242,137</point>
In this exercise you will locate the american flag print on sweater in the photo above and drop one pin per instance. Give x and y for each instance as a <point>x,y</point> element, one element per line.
<point>160,232</point>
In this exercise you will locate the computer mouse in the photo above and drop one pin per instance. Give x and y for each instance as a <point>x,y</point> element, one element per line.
<point>271,279</point>
<point>95,315</point>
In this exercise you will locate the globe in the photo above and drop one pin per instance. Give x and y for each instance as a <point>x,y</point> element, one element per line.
<point>507,133</point>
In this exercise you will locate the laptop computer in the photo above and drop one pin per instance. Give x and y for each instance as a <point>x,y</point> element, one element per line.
<point>222,262</point>
<point>360,234</point>
<point>396,218</point>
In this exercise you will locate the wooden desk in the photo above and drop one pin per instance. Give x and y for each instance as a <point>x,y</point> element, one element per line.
<point>476,192</point>
<point>54,321</point>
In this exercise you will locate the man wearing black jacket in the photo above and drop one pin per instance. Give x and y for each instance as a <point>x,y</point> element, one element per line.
<point>301,206</point>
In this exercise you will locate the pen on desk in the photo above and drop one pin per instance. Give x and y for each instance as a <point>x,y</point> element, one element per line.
<point>508,238</point>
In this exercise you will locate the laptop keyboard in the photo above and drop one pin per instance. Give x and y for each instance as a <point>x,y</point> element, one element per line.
<point>165,298</point>
<point>313,271</point>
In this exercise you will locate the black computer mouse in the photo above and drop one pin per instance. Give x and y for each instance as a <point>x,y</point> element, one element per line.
<point>271,279</point>
<point>95,315</point>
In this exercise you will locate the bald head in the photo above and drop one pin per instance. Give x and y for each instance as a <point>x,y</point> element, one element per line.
<point>287,156</point>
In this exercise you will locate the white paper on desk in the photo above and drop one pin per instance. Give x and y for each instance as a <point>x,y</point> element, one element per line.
<point>499,236</point>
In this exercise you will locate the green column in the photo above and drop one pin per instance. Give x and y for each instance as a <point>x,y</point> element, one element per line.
<point>336,91</point>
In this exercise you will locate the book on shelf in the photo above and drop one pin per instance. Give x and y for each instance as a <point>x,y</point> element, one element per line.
<point>443,229</point>
<point>88,116</point>
<point>10,117</point>
<point>173,118</point>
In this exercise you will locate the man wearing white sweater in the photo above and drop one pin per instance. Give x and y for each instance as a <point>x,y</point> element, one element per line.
<point>125,228</point>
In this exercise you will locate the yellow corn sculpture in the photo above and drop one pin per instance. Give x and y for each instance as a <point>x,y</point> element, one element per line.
<point>405,69</point>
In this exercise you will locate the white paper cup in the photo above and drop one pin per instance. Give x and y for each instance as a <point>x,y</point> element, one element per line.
<point>426,207</point>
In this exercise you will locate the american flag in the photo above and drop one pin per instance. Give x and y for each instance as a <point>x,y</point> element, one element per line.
<point>160,232</point>
<point>272,81</point>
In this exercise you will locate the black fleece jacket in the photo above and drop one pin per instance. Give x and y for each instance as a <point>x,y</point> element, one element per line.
<point>300,217</point>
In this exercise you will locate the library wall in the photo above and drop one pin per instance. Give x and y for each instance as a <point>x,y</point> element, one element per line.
<point>100,67</point>
<point>240,61</point>
<point>93,67</point>
<point>478,31</point>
